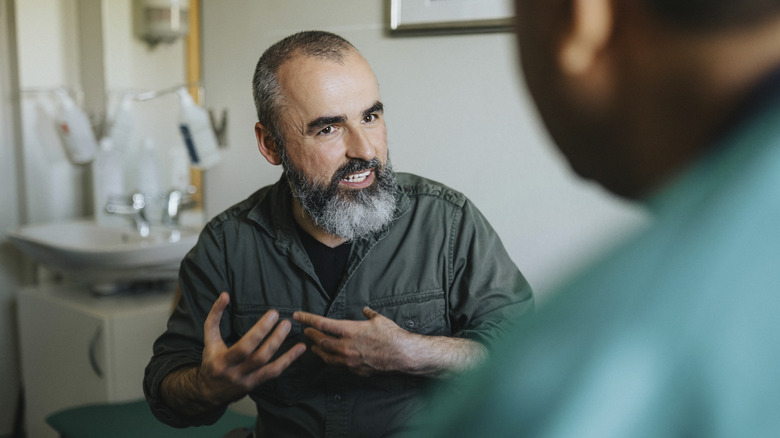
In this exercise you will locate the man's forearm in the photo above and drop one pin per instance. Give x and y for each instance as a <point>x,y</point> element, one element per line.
<point>441,356</point>
<point>182,393</point>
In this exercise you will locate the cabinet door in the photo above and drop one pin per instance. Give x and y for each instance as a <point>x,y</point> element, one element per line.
<point>61,349</point>
<point>130,339</point>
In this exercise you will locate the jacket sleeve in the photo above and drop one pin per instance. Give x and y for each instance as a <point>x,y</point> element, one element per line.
<point>201,280</point>
<point>487,294</point>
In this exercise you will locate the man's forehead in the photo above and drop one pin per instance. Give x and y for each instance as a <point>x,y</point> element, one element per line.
<point>301,64</point>
<point>321,87</point>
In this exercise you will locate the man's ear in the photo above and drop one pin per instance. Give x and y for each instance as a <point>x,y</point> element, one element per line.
<point>591,27</point>
<point>267,145</point>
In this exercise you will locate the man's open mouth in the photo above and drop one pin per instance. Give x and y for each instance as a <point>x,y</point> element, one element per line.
<point>357,177</point>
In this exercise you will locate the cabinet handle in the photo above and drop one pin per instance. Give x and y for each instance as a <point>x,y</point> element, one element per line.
<point>92,348</point>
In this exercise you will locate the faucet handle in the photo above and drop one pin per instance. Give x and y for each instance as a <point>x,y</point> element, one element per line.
<point>178,200</point>
<point>139,201</point>
<point>134,207</point>
<point>121,205</point>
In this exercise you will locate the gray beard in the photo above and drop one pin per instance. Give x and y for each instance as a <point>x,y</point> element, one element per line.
<point>346,213</point>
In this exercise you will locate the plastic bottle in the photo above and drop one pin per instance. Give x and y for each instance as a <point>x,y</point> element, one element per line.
<point>107,181</point>
<point>75,131</point>
<point>51,150</point>
<point>149,179</point>
<point>179,169</point>
<point>122,125</point>
<point>197,132</point>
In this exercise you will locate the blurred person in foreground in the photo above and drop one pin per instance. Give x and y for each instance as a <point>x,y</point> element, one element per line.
<point>334,297</point>
<point>675,103</point>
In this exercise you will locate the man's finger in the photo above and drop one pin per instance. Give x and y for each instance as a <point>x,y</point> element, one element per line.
<point>253,338</point>
<point>321,323</point>
<point>370,313</point>
<point>266,351</point>
<point>327,344</point>
<point>314,334</point>
<point>310,319</point>
<point>211,334</point>
<point>275,368</point>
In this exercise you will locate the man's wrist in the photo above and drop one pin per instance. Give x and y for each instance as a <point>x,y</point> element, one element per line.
<point>408,348</point>
<point>184,392</point>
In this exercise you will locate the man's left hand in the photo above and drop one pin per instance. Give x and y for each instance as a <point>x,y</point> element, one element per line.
<point>364,347</point>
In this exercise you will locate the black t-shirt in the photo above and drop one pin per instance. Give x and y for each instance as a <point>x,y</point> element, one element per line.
<point>329,263</point>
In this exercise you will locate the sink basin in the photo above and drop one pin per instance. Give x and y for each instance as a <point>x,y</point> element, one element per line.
<point>87,251</point>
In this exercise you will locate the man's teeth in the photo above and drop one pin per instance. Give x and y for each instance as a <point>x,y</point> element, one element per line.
<point>357,177</point>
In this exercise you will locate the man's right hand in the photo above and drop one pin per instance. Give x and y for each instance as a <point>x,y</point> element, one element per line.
<point>227,374</point>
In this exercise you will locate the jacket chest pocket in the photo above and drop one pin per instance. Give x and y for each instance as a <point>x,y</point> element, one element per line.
<point>421,312</point>
<point>296,380</point>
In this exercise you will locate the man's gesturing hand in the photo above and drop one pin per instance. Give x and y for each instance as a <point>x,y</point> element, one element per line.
<point>227,374</point>
<point>365,347</point>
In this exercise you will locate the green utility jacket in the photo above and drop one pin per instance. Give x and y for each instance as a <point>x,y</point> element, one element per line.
<point>438,269</point>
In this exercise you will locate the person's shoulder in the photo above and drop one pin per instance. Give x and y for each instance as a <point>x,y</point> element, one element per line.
<point>244,208</point>
<point>415,186</point>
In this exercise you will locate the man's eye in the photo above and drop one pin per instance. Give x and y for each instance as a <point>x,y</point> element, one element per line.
<point>327,130</point>
<point>370,118</point>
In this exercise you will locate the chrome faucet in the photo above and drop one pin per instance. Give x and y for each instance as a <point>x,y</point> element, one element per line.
<point>135,208</point>
<point>177,201</point>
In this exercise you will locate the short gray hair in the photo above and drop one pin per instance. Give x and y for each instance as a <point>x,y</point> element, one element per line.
<point>265,83</point>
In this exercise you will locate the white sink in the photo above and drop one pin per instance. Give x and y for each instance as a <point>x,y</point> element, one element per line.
<point>94,253</point>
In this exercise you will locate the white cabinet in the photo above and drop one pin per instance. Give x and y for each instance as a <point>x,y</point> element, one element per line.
<point>77,348</point>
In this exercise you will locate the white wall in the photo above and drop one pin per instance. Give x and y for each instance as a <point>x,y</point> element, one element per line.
<point>456,112</point>
<point>132,65</point>
<point>48,53</point>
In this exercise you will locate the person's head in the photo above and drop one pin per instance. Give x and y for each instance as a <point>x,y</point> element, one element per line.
<point>632,91</point>
<point>266,90</point>
<point>321,117</point>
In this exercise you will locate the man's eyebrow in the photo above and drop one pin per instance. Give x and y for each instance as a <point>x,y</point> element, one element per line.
<point>320,122</point>
<point>377,107</point>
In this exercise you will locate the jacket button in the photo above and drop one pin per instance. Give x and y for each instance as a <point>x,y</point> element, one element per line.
<point>410,323</point>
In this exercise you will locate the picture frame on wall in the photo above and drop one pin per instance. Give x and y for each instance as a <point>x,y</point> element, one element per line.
<point>451,15</point>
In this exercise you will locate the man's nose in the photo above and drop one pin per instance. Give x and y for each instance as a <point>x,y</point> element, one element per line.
<point>359,145</point>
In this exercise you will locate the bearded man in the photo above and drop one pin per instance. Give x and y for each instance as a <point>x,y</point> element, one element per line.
<point>333,297</point>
